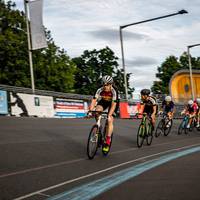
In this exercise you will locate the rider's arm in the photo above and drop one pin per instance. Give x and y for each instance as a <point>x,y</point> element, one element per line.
<point>93,104</point>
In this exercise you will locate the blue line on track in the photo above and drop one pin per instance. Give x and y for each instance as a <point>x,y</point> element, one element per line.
<point>94,188</point>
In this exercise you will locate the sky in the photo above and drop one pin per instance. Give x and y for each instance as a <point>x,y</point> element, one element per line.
<point>78,25</point>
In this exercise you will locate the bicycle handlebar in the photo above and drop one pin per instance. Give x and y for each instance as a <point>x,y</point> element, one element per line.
<point>99,112</point>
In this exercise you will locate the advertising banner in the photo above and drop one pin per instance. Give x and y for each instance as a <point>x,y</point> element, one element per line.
<point>123,107</point>
<point>31,105</point>
<point>69,108</point>
<point>3,102</point>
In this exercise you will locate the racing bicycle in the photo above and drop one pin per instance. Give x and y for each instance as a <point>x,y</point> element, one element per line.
<point>164,125</point>
<point>145,131</point>
<point>97,135</point>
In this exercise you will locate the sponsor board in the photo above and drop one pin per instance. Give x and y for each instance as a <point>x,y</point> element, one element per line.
<point>31,105</point>
<point>3,103</point>
<point>69,108</point>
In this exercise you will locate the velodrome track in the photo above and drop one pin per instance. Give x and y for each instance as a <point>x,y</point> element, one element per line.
<point>46,159</point>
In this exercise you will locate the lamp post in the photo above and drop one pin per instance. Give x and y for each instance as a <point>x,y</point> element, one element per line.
<point>121,41</point>
<point>29,47</point>
<point>190,67</point>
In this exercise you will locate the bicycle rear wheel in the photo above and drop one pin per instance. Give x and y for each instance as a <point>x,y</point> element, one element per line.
<point>92,144</point>
<point>159,128</point>
<point>168,126</point>
<point>149,137</point>
<point>140,135</point>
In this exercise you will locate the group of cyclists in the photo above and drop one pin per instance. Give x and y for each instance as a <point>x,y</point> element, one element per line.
<point>106,98</point>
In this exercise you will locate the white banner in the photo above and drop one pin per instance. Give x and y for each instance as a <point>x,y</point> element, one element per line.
<point>38,38</point>
<point>31,105</point>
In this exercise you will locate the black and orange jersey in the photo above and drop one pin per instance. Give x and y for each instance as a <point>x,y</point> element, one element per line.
<point>107,96</point>
<point>149,104</point>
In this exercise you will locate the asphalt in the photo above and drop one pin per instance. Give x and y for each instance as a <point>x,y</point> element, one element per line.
<point>41,158</point>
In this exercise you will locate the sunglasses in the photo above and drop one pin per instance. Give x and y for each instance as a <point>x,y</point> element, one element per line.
<point>107,84</point>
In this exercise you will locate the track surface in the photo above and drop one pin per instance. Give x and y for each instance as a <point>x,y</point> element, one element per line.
<point>41,158</point>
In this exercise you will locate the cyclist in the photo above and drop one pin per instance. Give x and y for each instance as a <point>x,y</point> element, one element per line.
<point>167,108</point>
<point>198,112</point>
<point>149,105</point>
<point>106,98</point>
<point>190,110</point>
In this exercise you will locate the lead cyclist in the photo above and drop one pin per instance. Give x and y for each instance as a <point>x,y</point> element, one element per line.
<point>106,98</point>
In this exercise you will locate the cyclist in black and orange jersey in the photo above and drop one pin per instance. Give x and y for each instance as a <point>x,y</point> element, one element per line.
<point>149,105</point>
<point>106,98</point>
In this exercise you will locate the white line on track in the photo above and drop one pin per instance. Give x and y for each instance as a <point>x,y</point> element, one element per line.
<point>101,171</point>
<point>79,160</point>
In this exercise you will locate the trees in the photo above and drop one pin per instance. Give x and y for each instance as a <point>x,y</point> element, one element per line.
<point>53,69</point>
<point>171,65</point>
<point>92,65</point>
<point>13,53</point>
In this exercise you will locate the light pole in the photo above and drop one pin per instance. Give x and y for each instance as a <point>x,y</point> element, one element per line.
<point>190,67</point>
<point>121,41</point>
<point>29,47</point>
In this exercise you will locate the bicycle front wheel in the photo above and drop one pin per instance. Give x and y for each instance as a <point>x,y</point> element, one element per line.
<point>140,135</point>
<point>168,127</point>
<point>92,144</point>
<point>181,127</point>
<point>149,137</point>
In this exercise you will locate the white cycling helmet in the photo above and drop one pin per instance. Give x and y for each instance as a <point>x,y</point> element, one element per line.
<point>107,80</point>
<point>168,98</point>
<point>198,100</point>
<point>190,102</point>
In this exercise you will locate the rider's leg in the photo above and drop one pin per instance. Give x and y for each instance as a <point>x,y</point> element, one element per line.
<point>110,126</point>
<point>153,121</point>
<point>109,130</point>
<point>198,120</point>
<point>190,121</point>
<point>99,108</point>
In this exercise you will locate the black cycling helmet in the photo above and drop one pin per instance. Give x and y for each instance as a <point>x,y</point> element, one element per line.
<point>145,92</point>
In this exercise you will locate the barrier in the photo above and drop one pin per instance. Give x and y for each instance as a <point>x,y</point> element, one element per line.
<point>69,108</point>
<point>3,103</point>
<point>31,105</point>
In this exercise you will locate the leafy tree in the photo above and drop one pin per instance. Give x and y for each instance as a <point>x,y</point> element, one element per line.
<point>53,69</point>
<point>92,65</point>
<point>171,65</point>
<point>13,54</point>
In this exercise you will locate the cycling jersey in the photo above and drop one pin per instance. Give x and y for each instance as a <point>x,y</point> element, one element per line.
<point>191,109</point>
<point>105,98</point>
<point>149,104</point>
<point>167,107</point>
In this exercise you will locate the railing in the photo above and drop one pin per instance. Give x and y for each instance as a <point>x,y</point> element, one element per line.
<point>45,92</point>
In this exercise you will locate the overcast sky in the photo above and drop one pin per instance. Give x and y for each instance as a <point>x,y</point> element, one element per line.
<point>77,25</point>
